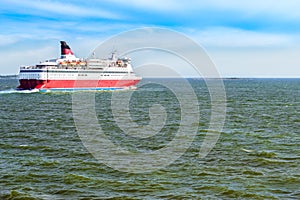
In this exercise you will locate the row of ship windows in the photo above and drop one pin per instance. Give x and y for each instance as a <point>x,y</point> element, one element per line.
<point>30,77</point>
<point>74,72</point>
<point>103,75</point>
<point>84,75</point>
<point>35,76</point>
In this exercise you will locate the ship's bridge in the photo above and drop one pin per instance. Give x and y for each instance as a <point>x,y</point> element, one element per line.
<point>68,57</point>
<point>48,63</point>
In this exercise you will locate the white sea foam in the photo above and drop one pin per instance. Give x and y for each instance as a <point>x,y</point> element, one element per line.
<point>12,91</point>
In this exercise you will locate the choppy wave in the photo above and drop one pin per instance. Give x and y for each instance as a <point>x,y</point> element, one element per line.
<point>256,157</point>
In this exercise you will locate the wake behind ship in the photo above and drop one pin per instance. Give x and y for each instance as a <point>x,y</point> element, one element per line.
<point>69,73</point>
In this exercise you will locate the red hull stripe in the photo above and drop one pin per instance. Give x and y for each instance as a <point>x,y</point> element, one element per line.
<point>42,84</point>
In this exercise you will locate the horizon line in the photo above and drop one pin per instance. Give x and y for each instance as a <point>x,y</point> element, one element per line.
<point>193,77</point>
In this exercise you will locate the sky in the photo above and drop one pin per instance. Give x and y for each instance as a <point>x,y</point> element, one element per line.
<point>250,38</point>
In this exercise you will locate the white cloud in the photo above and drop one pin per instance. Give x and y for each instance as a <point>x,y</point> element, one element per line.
<point>248,62</point>
<point>62,8</point>
<point>151,4</point>
<point>281,63</point>
<point>238,52</point>
<point>30,53</point>
<point>280,9</point>
<point>14,58</point>
<point>231,37</point>
<point>8,39</point>
<point>276,8</point>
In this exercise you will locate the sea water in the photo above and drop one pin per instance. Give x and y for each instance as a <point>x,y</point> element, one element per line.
<point>256,157</point>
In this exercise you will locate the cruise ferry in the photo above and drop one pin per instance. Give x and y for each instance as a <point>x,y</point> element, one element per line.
<point>71,73</point>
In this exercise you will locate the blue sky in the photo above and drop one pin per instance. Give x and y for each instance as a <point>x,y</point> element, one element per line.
<point>243,38</point>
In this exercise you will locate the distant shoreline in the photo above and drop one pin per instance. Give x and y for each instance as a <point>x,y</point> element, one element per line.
<point>9,76</point>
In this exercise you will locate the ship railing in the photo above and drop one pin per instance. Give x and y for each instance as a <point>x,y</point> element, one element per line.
<point>28,67</point>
